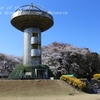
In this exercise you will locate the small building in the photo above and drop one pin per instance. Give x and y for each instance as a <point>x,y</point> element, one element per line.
<point>4,75</point>
<point>31,72</point>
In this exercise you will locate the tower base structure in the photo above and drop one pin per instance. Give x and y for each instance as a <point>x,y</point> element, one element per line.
<point>31,72</point>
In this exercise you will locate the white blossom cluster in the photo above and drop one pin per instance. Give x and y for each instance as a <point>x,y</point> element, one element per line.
<point>8,63</point>
<point>56,56</point>
<point>55,50</point>
<point>61,58</point>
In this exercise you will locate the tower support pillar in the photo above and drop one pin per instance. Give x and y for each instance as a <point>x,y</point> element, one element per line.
<point>32,46</point>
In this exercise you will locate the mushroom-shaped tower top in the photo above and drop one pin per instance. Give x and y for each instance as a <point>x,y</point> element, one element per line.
<point>31,16</point>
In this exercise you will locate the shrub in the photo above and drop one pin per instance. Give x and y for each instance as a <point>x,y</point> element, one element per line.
<point>73,81</point>
<point>96,76</point>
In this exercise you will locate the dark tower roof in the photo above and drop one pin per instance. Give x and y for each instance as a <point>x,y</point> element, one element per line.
<point>30,16</point>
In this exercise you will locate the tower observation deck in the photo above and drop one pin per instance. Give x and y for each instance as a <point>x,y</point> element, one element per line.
<point>31,20</point>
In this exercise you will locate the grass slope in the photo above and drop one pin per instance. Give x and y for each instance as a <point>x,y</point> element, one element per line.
<point>34,88</point>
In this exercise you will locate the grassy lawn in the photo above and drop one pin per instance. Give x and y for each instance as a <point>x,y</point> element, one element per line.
<point>35,88</point>
<point>41,90</point>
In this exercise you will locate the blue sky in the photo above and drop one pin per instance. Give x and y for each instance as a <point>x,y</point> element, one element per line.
<point>78,24</point>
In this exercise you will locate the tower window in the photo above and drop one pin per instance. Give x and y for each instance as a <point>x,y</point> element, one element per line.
<point>35,34</point>
<point>35,46</point>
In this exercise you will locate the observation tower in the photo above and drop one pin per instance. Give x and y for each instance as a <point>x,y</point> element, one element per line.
<point>31,20</point>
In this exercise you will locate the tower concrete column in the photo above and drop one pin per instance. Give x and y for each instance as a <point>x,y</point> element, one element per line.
<point>32,46</point>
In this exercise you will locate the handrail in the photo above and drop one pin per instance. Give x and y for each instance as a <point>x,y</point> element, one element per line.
<point>32,7</point>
